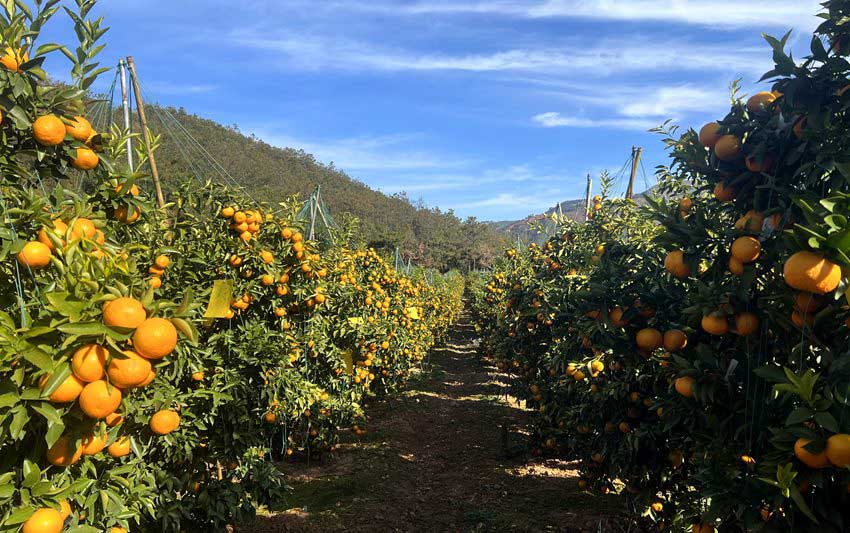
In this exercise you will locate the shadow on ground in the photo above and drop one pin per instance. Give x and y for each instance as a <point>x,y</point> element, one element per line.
<point>434,460</point>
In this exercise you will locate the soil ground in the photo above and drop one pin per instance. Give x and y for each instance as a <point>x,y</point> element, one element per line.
<point>436,459</point>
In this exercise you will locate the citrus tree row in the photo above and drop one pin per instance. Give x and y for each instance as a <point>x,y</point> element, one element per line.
<point>692,353</point>
<point>157,364</point>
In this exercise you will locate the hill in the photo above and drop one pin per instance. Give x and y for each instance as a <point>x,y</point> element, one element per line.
<point>429,236</point>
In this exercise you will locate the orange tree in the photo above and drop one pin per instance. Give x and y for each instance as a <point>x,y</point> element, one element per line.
<point>713,395</point>
<point>155,360</point>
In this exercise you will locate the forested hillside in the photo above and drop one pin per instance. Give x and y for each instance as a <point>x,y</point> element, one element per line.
<point>430,236</point>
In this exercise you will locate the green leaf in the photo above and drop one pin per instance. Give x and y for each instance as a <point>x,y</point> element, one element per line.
<point>55,380</point>
<point>827,421</point>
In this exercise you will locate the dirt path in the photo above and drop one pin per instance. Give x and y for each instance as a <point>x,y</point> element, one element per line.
<point>434,460</point>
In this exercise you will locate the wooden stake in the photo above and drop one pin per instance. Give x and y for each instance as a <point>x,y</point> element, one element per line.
<point>140,105</point>
<point>636,153</point>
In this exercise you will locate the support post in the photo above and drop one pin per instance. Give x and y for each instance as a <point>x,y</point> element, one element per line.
<point>636,153</point>
<point>587,198</point>
<point>140,105</point>
<point>125,104</point>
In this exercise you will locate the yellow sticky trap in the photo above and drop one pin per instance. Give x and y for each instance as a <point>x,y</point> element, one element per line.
<point>220,297</point>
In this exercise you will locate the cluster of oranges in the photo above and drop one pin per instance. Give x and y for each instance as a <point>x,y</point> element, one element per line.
<point>51,131</point>
<point>157,270</point>
<point>246,223</point>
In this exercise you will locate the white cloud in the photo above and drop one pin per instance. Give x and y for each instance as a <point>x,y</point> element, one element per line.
<point>604,58</point>
<point>553,119</point>
<point>529,203</point>
<point>366,153</point>
<point>715,13</point>
<point>165,87</point>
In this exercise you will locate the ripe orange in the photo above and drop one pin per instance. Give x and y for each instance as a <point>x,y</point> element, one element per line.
<point>88,362</point>
<point>48,130</point>
<point>155,282</point>
<point>93,443</point>
<point>68,391</point>
<point>724,193</point>
<point>297,237</point>
<point>811,272</point>
<point>148,380</point>
<point>117,529</point>
<point>685,386</point>
<point>802,320</point>
<point>113,419</point>
<point>79,128</point>
<point>715,324</point>
<point>710,134</point>
<point>134,190</point>
<point>13,59</point>
<point>702,527</point>
<point>34,255</point>
<point>286,233</point>
<point>99,399</point>
<point>676,265</point>
<point>746,249</point>
<point>155,338</point>
<point>751,222</point>
<point>746,323</point>
<point>83,228</point>
<point>64,452</point>
<point>126,214</point>
<point>736,267</point>
<point>806,302</point>
<point>685,205</point>
<point>164,422</point>
<point>838,450</point>
<point>120,447</point>
<point>64,509</point>
<point>760,101</point>
<point>128,372</point>
<point>86,159</point>
<point>758,165</point>
<point>267,280</point>
<point>812,460</point>
<point>648,339</point>
<point>59,228</point>
<point>198,376</point>
<point>162,261</point>
<point>728,148</point>
<point>675,340</point>
<point>616,317</point>
<point>124,312</point>
<point>44,520</point>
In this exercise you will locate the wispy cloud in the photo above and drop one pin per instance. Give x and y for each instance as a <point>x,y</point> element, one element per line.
<point>717,13</point>
<point>553,119</point>
<point>528,203</point>
<point>604,58</point>
<point>164,87</point>
<point>367,153</point>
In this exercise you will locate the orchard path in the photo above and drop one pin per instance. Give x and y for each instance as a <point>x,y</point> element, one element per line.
<point>435,459</point>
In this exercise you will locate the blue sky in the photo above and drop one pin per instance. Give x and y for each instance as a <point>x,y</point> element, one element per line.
<point>496,109</point>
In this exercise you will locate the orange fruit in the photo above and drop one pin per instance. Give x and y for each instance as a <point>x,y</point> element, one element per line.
<point>34,255</point>
<point>675,264</point>
<point>649,339</point>
<point>710,134</point>
<point>79,128</point>
<point>760,101</point>
<point>812,460</point>
<point>64,509</point>
<point>44,520</point>
<point>751,222</point>
<point>99,399</point>
<point>85,159</point>
<point>267,280</point>
<point>59,228</point>
<point>806,302</point>
<point>798,128</point>
<point>616,317</point>
<point>198,376</point>
<point>811,272</point>
<point>802,320</point>
<point>728,148</point>
<point>126,214</point>
<point>675,340</point>
<point>685,205</point>
<point>155,282</point>
<point>48,130</point>
<point>162,261</point>
<point>155,338</point>
<point>724,193</point>
<point>746,249</point>
<point>68,391</point>
<point>92,443</point>
<point>286,233</point>
<point>715,324</point>
<point>13,59</point>
<point>148,380</point>
<point>685,386</point>
<point>838,450</point>
<point>88,362</point>
<point>117,529</point>
<point>746,323</point>
<point>134,190</point>
<point>228,212</point>
<point>83,228</point>
<point>702,527</point>
<point>758,165</point>
<point>64,452</point>
<point>245,236</point>
<point>297,237</point>
<point>120,447</point>
<point>113,419</point>
<point>124,312</point>
<point>164,422</point>
<point>736,267</point>
<point>128,372</point>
